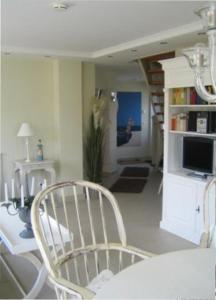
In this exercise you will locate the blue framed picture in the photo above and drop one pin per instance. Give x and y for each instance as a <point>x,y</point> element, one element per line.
<point>129,118</point>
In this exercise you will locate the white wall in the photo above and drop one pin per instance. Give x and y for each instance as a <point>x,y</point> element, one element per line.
<point>88,91</point>
<point>123,80</point>
<point>47,93</point>
<point>68,118</point>
<point>27,96</point>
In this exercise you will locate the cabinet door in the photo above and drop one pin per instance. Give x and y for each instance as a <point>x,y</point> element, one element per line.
<point>180,207</point>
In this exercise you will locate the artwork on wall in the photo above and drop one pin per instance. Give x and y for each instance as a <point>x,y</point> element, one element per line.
<point>129,119</point>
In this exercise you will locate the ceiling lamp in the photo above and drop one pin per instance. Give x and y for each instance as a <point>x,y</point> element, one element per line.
<point>202,57</point>
<point>60,6</point>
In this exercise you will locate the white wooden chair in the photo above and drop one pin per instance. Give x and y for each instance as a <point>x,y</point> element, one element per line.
<point>79,268</point>
<point>208,237</point>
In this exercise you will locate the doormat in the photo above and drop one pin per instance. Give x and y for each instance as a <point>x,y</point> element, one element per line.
<point>135,172</point>
<point>128,185</point>
<point>131,161</point>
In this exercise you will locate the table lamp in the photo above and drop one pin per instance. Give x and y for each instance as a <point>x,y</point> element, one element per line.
<point>26,131</point>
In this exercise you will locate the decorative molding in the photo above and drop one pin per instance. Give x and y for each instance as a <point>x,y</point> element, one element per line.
<point>46,52</point>
<point>185,74</point>
<point>167,34</point>
<point>163,35</point>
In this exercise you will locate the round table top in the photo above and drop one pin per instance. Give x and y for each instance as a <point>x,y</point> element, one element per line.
<point>182,274</point>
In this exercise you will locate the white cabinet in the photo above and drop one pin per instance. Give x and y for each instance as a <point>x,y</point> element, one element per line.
<point>182,207</point>
<point>182,194</point>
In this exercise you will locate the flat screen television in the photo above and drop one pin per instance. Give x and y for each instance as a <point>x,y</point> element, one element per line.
<point>199,154</point>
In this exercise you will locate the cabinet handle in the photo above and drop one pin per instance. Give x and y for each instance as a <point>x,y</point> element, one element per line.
<point>198,209</point>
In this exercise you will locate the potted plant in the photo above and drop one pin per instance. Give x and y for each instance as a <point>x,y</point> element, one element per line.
<point>95,141</point>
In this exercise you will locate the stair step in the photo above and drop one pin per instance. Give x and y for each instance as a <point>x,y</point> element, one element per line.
<point>158,104</point>
<point>156,83</point>
<point>161,56</point>
<point>156,71</point>
<point>160,94</point>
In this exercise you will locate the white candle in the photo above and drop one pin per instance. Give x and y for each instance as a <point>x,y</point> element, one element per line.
<point>32,186</point>
<point>6,193</point>
<point>44,186</point>
<point>22,197</point>
<point>12,189</point>
<point>45,183</point>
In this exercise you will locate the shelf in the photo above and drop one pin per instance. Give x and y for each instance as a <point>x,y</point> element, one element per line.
<point>193,133</point>
<point>185,174</point>
<point>193,105</point>
<point>158,104</point>
<point>159,94</point>
<point>183,193</point>
<point>156,71</point>
<point>156,58</point>
<point>156,82</point>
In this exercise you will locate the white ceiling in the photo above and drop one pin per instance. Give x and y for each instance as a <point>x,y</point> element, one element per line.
<point>92,30</point>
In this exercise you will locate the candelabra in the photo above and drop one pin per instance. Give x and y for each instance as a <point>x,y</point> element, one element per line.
<point>21,206</point>
<point>15,206</point>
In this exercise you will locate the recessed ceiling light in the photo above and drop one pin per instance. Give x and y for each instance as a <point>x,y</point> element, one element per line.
<point>163,43</point>
<point>60,6</point>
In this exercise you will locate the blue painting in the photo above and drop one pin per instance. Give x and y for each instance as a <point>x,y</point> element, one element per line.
<point>128,118</point>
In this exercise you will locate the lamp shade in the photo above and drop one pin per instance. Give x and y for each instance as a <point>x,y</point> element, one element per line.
<point>25,130</point>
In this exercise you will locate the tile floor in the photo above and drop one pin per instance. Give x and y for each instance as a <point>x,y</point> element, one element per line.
<point>141,214</point>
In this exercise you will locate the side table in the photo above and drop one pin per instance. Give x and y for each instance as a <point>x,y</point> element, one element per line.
<point>26,167</point>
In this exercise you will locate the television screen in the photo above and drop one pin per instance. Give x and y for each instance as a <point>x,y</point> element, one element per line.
<point>198,154</point>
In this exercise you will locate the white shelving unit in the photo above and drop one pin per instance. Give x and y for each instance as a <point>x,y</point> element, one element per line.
<point>182,194</point>
<point>201,107</point>
<point>192,133</point>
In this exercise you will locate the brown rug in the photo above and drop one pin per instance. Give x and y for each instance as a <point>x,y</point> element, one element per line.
<point>131,161</point>
<point>128,185</point>
<point>135,172</point>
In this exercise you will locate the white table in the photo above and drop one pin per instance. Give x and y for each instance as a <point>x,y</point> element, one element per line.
<point>188,274</point>
<point>24,168</point>
<point>10,227</point>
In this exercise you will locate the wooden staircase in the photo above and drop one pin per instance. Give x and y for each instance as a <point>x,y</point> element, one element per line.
<point>154,77</point>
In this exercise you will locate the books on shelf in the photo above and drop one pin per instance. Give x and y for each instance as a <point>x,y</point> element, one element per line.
<point>179,96</point>
<point>179,122</point>
<point>202,121</point>
<point>195,98</point>
<point>193,95</point>
<point>187,96</point>
<point>194,121</point>
<point>212,122</point>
